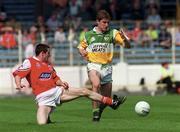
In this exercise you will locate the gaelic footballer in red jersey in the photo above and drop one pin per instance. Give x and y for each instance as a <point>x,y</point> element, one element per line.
<point>48,88</point>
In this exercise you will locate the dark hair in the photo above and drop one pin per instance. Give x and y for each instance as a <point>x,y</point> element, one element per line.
<point>164,63</point>
<point>41,47</point>
<point>102,14</point>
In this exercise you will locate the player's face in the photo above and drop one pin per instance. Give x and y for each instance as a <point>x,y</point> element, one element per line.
<point>47,56</point>
<point>103,25</point>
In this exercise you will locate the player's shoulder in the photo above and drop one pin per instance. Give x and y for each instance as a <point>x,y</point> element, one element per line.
<point>89,32</point>
<point>114,30</point>
<point>111,30</point>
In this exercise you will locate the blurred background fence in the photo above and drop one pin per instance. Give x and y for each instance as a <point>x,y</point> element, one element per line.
<point>152,26</point>
<point>63,55</point>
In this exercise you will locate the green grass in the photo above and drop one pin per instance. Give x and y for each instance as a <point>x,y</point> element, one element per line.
<point>19,115</point>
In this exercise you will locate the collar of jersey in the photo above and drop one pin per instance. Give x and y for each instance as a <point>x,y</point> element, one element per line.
<point>94,30</point>
<point>36,58</point>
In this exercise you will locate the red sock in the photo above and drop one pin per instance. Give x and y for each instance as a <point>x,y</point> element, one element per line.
<point>107,100</point>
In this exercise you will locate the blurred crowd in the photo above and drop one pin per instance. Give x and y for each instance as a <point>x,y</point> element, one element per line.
<point>67,23</point>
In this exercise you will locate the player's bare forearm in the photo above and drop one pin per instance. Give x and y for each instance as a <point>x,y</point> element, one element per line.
<point>18,82</point>
<point>83,53</point>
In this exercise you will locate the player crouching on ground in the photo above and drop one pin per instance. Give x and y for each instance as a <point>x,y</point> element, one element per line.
<point>48,88</point>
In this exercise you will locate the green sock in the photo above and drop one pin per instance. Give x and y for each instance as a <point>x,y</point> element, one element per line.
<point>96,110</point>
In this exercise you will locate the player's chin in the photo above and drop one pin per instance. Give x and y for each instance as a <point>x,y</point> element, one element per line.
<point>104,30</point>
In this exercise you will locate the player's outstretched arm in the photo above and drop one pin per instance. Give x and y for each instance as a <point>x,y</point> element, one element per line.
<point>125,39</point>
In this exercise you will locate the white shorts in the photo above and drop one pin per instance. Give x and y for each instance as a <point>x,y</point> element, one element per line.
<point>50,97</point>
<point>105,71</point>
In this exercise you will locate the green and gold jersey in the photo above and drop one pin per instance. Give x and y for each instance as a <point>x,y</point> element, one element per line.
<point>100,45</point>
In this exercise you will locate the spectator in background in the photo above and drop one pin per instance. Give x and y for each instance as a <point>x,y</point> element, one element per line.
<point>3,16</point>
<point>26,39</point>
<point>29,49</point>
<point>149,4</point>
<point>125,9</point>
<point>71,35</point>
<point>74,8</point>
<point>102,4</point>
<point>167,77</point>
<point>137,10</point>
<point>135,33</point>
<point>60,35</point>
<point>153,17</point>
<point>87,11</point>
<point>8,38</point>
<point>114,9</point>
<point>40,22</point>
<point>61,9</point>
<point>53,22</point>
<point>165,38</point>
<point>152,33</point>
<point>82,33</point>
<point>33,33</point>
<point>41,35</point>
<point>14,24</point>
<point>171,29</point>
<point>144,39</point>
<point>49,36</point>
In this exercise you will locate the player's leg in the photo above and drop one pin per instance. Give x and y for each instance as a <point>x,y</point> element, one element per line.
<point>106,84</point>
<point>105,90</point>
<point>43,114</point>
<point>94,78</point>
<point>73,93</point>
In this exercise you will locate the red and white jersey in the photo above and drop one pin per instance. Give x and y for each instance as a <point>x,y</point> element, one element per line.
<point>41,76</point>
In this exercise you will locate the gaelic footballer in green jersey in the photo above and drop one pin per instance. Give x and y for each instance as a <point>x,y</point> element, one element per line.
<point>100,45</point>
<point>97,48</point>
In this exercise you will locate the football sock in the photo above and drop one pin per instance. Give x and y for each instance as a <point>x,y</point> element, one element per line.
<point>96,109</point>
<point>102,107</point>
<point>107,100</point>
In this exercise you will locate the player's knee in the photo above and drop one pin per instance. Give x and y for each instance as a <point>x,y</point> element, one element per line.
<point>42,122</point>
<point>96,85</point>
<point>85,92</point>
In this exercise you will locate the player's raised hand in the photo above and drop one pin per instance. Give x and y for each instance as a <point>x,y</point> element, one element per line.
<point>83,53</point>
<point>125,38</point>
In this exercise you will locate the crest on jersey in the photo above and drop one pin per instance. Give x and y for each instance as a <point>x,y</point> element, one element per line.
<point>93,39</point>
<point>106,38</point>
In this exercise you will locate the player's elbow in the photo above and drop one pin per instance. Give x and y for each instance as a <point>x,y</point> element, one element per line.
<point>85,92</point>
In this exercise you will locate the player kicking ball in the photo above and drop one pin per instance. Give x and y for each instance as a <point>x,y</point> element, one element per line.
<point>97,49</point>
<point>49,89</point>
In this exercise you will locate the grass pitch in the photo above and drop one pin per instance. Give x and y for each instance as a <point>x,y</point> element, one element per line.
<point>18,114</point>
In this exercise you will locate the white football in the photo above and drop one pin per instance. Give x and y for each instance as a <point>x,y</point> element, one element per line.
<point>142,108</point>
